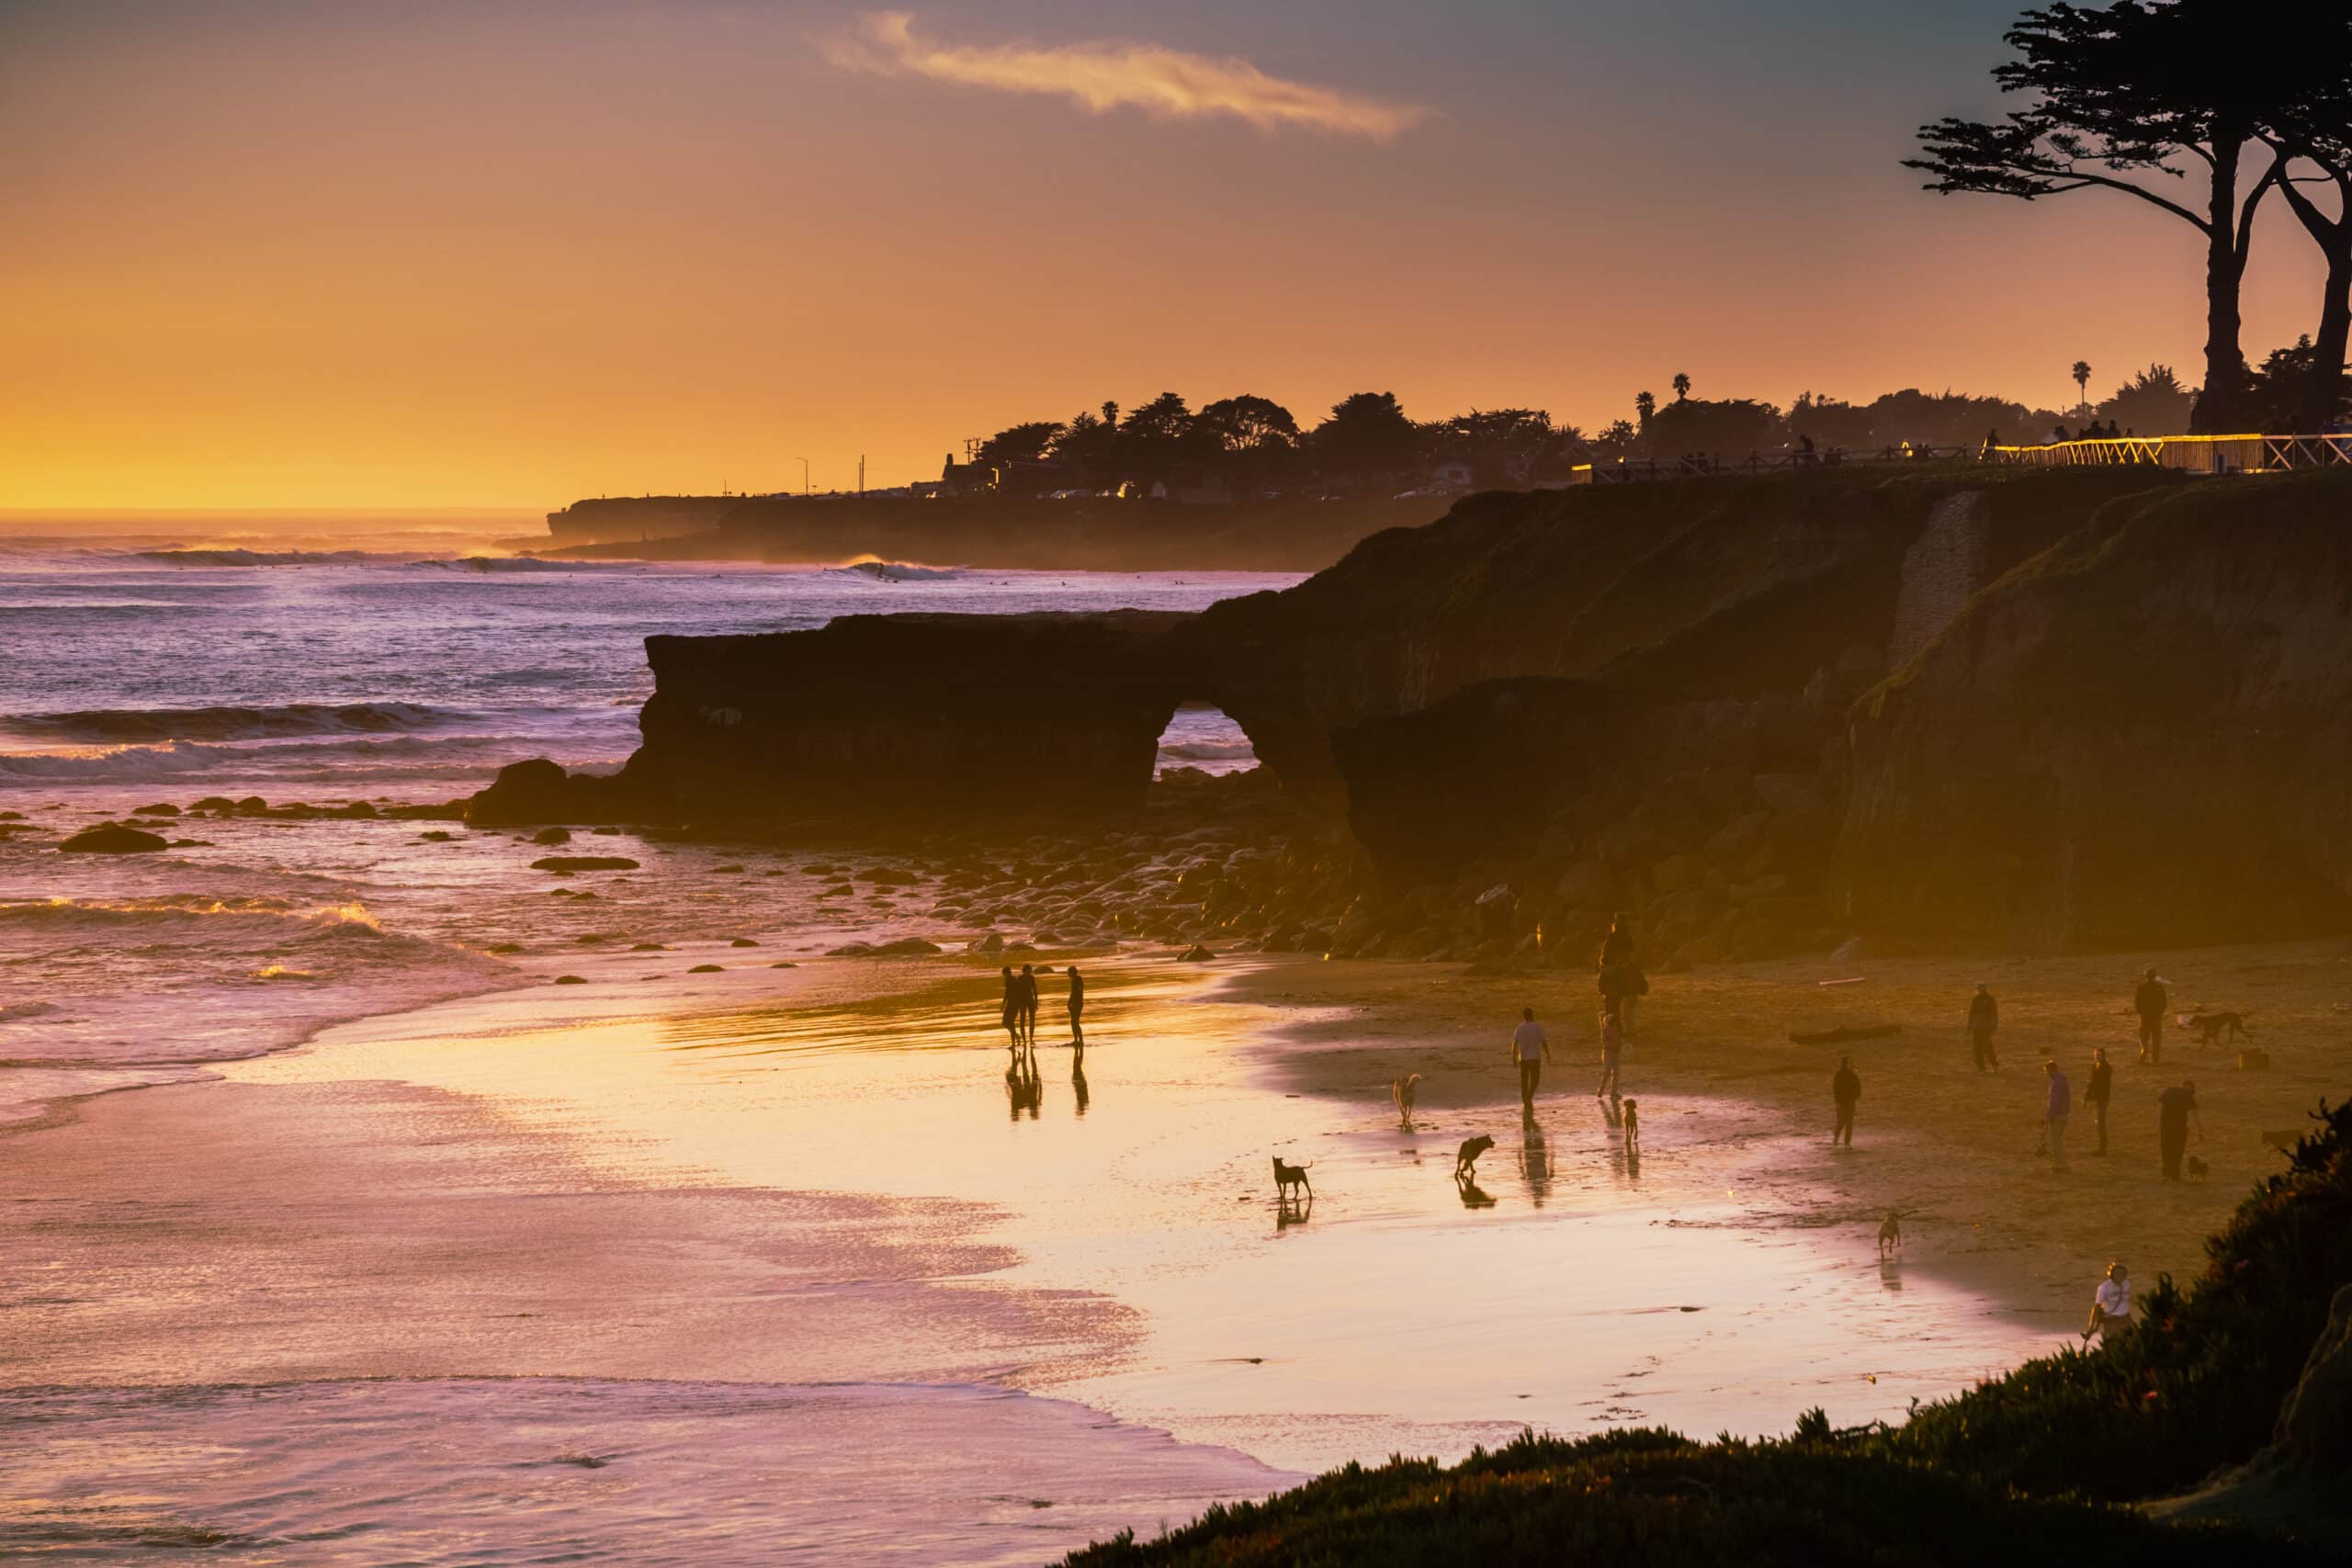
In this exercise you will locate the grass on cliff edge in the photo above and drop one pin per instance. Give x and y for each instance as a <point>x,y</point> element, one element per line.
<point>1991,1475</point>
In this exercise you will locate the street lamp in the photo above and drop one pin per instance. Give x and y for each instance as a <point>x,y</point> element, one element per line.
<point>804,476</point>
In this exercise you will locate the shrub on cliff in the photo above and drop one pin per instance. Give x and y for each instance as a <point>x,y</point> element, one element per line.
<point>2195,1383</point>
<point>1649,1499</point>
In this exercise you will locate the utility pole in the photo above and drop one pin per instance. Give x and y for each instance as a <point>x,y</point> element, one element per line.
<point>804,477</point>
<point>861,473</point>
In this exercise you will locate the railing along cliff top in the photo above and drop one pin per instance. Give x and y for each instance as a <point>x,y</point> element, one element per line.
<point>2189,454</point>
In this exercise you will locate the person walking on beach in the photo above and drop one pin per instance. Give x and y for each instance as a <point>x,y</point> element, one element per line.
<point>1077,1008</point>
<point>1612,1051</point>
<point>1620,979</point>
<point>1025,994</point>
<point>1984,1019</point>
<point>1531,1050</point>
<point>2110,1303</point>
<point>1845,1093</point>
<point>2149,1001</point>
<point>2095,1090</point>
<point>1012,1009</point>
<point>2059,1106</point>
<point>2176,1111</point>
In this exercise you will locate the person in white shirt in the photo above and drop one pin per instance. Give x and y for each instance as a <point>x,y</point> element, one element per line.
<point>2111,1303</point>
<point>1529,1047</point>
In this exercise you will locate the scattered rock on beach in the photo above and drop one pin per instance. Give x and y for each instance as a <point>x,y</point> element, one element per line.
<point>992,942</point>
<point>708,969</point>
<point>1195,953</point>
<point>784,963</point>
<point>583,862</point>
<point>648,947</point>
<point>743,942</point>
<point>571,980</point>
<point>161,808</point>
<point>552,836</point>
<point>435,836</point>
<point>112,838</point>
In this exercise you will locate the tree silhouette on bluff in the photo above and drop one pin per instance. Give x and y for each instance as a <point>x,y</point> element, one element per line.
<point>2121,98</point>
<point>2083,381</point>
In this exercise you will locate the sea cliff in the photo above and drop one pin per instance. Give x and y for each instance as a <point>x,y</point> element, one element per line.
<point>2039,710</point>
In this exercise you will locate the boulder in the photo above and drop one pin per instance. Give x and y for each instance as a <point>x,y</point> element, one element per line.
<point>113,839</point>
<point>1195,953</point>
<point>552,836</point>
<point>583,862</point>
<point>159,809</point>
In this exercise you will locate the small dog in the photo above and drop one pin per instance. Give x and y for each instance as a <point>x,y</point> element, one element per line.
<point>1401,1091</point>
<point>2198,1170</point>
<point>1465,1159</point>
<point>1890,1233</point>
<point>2211,1028</point>
<point>1289,1176</point>
<point>1633,1122</point>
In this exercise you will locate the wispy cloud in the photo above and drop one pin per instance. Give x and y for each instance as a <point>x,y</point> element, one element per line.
<point>1166,83</point>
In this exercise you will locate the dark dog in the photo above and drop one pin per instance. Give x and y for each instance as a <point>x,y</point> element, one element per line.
<point>1289,1176</point>
<point>1465,1159</point>
<point>2198,1170</point>
<point>2211,1028</point>
<point>1633,1122</point>
<point>1890,1231</point>
<point>1401,1091</point>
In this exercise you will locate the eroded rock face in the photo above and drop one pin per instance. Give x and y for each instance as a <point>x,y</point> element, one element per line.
<point>2141,737</point>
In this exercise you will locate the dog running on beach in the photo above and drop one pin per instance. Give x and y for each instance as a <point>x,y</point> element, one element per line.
<point>1633,1122</point>
<point>1401,1091</point>
<point>2211,1028</point>
<point>1465,1159</point>
<point>1289,1176</point>
<point>2198,1170</point>
<point>1890,1233</point>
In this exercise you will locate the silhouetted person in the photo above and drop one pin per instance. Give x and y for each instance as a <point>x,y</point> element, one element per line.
<point>1845,1092</point>
<point>1984,1022</point>
<point>1529,1049</point>
<point>2095,1090</point>
<point>2176,1111</point>
<point>1012,1009</point>
<point>1076,1007</point>
<point>2058,436</point>
<point>1992,440</point>
<point>1026,992</point>
<point>2054,1113</point>
<point>2150,1001</point>
<point>1613,1052</point>
<point>1620,979</point>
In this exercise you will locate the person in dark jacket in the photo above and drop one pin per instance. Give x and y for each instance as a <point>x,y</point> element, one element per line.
<point>1621,978</point>
<point>1846,1091</point>
<point>1984,1019</point>
<point>2149,1001</point>
<point>2176,1109</point>
<point>2096,1089</point>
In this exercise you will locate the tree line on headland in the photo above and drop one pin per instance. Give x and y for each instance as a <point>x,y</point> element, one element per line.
<point>1252,446</point>
<point>2202,109</point>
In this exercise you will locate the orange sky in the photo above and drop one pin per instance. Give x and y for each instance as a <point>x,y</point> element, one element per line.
<point>257,253</point>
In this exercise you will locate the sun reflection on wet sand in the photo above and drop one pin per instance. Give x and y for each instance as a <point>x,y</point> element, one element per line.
<point>1575,1284</point>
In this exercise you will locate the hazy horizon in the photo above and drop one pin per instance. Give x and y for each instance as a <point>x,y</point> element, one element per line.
<point>272,255</point>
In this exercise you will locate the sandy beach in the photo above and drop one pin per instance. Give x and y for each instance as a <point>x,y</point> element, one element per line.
<point>664,1186</point>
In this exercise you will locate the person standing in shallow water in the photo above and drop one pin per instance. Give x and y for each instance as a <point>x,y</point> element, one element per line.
<point>2095,1090</point>
<point>1077,1008</point>
<point>1620,979</point>
<point>1529,1049</point>
<point>1845,1092</point>
<point>1024,993</point>
<point>1984,1021</point>
<point>2150,1001</point>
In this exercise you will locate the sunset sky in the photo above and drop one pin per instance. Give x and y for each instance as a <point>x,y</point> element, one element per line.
<point>305,252</point>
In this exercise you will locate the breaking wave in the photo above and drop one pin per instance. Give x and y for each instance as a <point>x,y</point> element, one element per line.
<point>896,571</point>
<point>131,726</point>
<point>328,761</point>
<point>1210,750</point>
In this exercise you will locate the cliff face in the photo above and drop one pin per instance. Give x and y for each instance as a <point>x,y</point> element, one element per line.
<point>2140,736</point>
<point>633,519</point>
<point>2103,708</point>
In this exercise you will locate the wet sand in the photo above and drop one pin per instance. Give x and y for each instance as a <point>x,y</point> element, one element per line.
<point>780,1179</point>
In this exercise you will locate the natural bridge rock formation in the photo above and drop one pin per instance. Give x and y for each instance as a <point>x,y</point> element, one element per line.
<point>2102,707</point>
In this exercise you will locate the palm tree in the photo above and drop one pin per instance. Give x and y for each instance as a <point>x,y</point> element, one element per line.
<point>1645,405</point>
<point>1681,388</point>
<point>2083,383</point>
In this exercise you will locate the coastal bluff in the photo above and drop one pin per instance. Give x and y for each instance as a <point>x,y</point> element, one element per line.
<point>2028,709</point>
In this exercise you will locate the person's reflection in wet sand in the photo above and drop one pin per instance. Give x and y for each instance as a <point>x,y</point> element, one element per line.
<point>1022,1087</point>
<point>1078,1078</point>
<point>1535,1162</point>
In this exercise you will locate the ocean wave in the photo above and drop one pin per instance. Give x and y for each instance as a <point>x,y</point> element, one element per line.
<point>1209,750</point>
<point>522,564</point>
<point>128,726</point>
<point>241,557</point>
<point>878,571</point>
<point>170,910</point>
